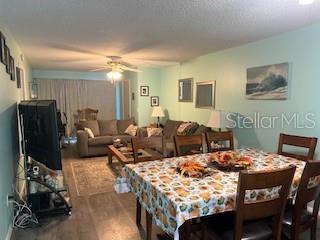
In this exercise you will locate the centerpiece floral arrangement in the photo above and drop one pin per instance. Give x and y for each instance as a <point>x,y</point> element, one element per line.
<point>231,159</point>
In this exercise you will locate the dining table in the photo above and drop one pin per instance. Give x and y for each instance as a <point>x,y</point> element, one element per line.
<point>174,200</point>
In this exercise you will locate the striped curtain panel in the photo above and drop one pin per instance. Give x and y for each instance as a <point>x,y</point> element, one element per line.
<point>72,95</point>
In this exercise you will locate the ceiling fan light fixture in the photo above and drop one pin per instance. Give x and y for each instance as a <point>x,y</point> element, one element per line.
<point>114,75</point>
<point>305,2</point>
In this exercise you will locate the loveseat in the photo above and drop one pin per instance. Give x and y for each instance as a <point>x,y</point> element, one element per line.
<point>104,131</point>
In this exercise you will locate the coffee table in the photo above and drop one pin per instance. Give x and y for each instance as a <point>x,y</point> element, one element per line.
<point>126,157</point>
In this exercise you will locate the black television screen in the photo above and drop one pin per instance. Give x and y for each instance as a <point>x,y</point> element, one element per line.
<point>40,132</point>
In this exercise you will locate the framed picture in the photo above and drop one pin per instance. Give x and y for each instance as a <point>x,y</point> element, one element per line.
<point>144,91</point>
<point>185,90</point>
<point>19,76</point>
<point>268,82</point>
<point>2,49</point>
<point>7,58</point>
<point>33,90</point>
<point>154,101</point>
<point>12,69</point>
<point>205,94</point>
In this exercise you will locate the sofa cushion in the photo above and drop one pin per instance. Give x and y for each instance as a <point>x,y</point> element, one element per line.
<point>92,124</point>
<point>123,125</point>
<point>170,129</point>
<point>108,127</point>
<point>102,140</point>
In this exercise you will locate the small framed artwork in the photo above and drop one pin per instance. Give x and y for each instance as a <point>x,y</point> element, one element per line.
<point>144,91</point>
<point>154,101</point>
<point>33,90</point>
<point>19,76</point>
<point>7,58</point>
<point>2,49</point>
<point>12,69</point>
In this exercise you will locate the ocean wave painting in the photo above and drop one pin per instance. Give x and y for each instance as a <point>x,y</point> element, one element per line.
<point>267,82</point>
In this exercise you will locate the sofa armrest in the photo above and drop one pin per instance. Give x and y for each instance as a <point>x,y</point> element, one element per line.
<point>82,143</point>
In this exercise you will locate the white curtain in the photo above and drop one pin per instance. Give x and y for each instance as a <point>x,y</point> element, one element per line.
<point>72,95</point>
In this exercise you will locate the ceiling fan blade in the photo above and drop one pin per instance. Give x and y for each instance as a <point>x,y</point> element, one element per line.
<point>130,69</point>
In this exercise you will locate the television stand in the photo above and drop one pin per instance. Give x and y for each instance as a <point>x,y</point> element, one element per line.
<point>45,199</point>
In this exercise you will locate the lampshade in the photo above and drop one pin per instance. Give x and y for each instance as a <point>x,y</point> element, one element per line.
<point>157,112</point>
<point>218,119</point>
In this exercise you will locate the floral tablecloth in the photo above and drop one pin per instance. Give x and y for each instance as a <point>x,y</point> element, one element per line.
<point>172,199</point>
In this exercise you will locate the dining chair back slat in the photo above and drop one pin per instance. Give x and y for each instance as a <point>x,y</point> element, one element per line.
<point>226,136</point>
<point>250,210</point>
<point>309,143</point>
<point>187,145</point>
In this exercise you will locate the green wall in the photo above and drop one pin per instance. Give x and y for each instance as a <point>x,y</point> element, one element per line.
<point>300,49</point>
<point>141,105</point>
<point>9,135</point>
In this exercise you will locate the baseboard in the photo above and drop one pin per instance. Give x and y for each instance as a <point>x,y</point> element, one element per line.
<point>9,233</point>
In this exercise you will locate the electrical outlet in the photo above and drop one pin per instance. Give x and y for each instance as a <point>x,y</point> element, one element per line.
<point>10,198</point>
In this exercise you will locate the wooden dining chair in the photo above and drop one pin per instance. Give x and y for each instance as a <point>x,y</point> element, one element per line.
<point>151,146</point>
<point>308,143</point>
<point>255,219</point>
<point>87,114</point>
<point>297,218</point>
<point>188,145</point>
<point>216,137</point>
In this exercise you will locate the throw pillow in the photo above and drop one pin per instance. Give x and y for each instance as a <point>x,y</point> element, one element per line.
<point>89,131</point>
<point>131,130</point>
<point>108,127</point>
<point>93,125</point>
<point>123,125</point>
<point>154,132</point>
<point>187,128</point>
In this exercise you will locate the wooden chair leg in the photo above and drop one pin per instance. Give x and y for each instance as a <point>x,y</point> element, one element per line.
<point>148,225</point>
<point>313,232</point>
<point>138,213</point>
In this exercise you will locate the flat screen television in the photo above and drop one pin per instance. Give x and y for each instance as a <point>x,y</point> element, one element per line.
<point>40,132</point>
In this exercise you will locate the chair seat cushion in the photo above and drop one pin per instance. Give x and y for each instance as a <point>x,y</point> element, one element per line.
<point>103,140</point>
<point>222,227</point>
<point>287,218</point>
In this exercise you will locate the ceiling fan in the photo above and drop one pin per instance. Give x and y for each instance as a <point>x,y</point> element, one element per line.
<point>115,64</point>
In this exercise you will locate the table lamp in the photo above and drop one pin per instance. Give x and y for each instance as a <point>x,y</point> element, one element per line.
<point>218,119</point>
<point>158,113</point>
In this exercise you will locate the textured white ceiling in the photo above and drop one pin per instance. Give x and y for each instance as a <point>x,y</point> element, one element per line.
<point>76,34</point>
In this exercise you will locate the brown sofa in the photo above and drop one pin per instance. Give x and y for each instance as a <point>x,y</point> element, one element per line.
<point>104,131</point>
